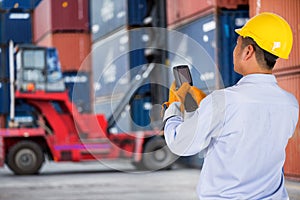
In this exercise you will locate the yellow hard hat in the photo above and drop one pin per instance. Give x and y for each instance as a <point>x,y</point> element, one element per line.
<point>271,33</point>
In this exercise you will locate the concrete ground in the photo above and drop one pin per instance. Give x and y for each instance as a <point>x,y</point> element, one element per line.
<point>112,180</point>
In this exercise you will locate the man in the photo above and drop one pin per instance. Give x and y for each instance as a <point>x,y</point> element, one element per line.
<point>244,129</point>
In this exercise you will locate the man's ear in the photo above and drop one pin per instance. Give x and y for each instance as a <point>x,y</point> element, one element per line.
<point>248,52</point>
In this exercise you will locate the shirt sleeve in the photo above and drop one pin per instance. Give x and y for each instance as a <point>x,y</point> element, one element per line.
<point>191,135</point>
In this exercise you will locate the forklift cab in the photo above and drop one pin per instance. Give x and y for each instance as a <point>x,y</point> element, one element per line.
<point>38,68</point>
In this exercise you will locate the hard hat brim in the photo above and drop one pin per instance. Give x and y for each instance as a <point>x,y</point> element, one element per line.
<point>238,31</point>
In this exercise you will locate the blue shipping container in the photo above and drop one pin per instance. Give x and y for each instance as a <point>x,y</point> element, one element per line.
<point>4,61</point>
<point>194,45</point>
<point>79,89</point>
<point>19,4</point>
<point>107,16</point>
<point>137,10</point>
<point>16,26</point>
<point>110,64</point>
<point>137,58</point>
<point>140,113</point>
<point>217,38</point>
<point>229,20</point>
<point>4,98</point>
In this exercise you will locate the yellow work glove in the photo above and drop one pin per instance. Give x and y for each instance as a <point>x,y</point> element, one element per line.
<point>172,96</point>
<point>172,99</point>
<point>189,96</point>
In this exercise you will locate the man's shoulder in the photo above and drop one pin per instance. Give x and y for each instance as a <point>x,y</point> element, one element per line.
<point>289,98</point>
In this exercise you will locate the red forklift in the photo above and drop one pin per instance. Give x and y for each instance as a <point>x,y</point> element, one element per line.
<point>51,127</point>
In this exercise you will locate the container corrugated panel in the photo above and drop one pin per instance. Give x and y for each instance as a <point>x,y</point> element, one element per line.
<point>4,61</point>
<point>110,64</point>
<point>16,26</point>
<point>73,49</point>
<point>137,10</point>
<point>107,16</point>
<point>79,88</point>
<point>137,57</point>
<point>60,15</point>
<point>291,83</point>
<point>289,10</point>
<point>106,107</point>
<point>140,112</point>
<point>231,4</point>
<point>180,10</point>
<point>200,56</point>
<point>229,20</point>
<point>5,98</point>
<point>19,4</point>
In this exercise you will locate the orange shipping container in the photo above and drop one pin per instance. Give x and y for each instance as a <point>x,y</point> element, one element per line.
<point>73,49</point>
<point>288,9</point>
<point>291,83</point>
<point>183,11</point>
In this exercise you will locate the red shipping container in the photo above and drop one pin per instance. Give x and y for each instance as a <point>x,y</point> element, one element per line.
<point>60,15</point>
<point>183,11</point>
<point>289,10</point>
<point>291,83</point>
<point>73,49</point>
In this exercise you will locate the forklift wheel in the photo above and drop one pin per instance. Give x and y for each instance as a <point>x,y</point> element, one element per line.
<point>25,157</point>
<point>157,155</point>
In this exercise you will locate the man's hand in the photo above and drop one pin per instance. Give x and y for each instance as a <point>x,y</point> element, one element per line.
<point>189,96</point>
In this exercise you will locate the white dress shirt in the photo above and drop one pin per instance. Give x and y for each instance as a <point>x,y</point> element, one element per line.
<point>243,131</point>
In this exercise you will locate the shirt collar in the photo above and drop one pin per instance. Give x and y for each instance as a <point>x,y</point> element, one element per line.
<point>258,78</point>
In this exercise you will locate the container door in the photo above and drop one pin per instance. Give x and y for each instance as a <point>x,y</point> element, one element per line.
<point>228,22</point>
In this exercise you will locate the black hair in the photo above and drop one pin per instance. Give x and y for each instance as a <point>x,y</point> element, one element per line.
<point>264,58</point>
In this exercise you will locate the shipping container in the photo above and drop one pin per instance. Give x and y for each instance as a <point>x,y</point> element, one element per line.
<point>16,26</point>
<point>25,115</point>
<point>184,11</point>
<point>137,11</point>
<point>60,16</point>
<point>140,112</point>
<point>228,21</point>
<point>289,10</point>
<point>4,62</point>
<point>208,48</point>
<point>110,64</point>
<point>109,16</point>
<point>78,85</point>
<point>18,4</point>
<point>195,46</point>
<point>291,83</point>
<point>117,60</point>
<point>5,98</point>
<point>107,106</point>
<point>73,49</point>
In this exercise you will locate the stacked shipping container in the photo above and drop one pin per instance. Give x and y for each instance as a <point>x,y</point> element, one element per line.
<point>287,71</point>
<point>117,56</point>
<point>15,25</point>
<point>211,24</point>
<point>65,25</point>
